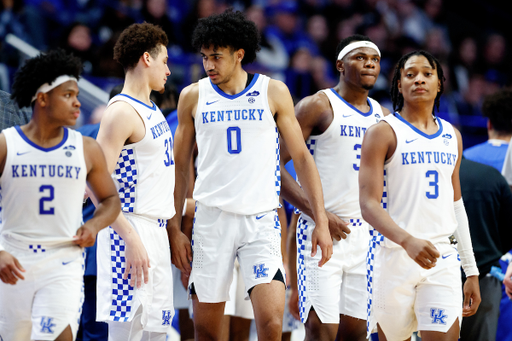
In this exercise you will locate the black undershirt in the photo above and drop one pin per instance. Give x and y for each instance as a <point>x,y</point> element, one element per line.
<point>250,77</point>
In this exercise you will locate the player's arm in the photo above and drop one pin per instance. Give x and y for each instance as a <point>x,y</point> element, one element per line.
<point>184,140</point>
<point>311,112</point>
<point>471,287</point>
<point>281,104</point>
<point>10,268</point>
<point>378,145</point>
<point>118,126</point>
<point>293,304</point>
<point>100,182</point>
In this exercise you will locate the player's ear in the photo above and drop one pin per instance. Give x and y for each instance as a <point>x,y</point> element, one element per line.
<point>240,53</point>
<point>146,58</point>
<point>42,98</point>
<point>438,85</point>
<point>340,66</point>
<point>399,85</point>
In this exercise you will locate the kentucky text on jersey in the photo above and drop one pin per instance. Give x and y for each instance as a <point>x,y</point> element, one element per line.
<point>159,129</point>
<point>412,158</point>
<point>352,131</point>
<point>43,171</point>
<point>233,115</point>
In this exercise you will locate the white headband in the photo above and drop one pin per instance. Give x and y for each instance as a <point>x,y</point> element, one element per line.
<point>356,45</point>
<point>58,81</point>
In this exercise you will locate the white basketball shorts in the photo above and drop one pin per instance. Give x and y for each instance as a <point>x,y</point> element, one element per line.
<point>339,286</point>
<point>219,237</point>
<point>117,301</point>
<point>50,297</point>
<point>237,305</point>
<point>407,297</point>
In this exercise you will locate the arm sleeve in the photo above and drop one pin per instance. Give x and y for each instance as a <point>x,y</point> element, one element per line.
<point>463,237</point>
<point>507,165</point>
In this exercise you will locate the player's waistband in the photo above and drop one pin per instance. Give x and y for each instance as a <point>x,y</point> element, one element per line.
<point>161,222</point>
<point>33,245</point>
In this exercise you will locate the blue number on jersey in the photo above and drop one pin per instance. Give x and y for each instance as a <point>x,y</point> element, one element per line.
<point>168,152</point>
<point>358,156</point>
<point>49,197</point>
<point>433,184</point>
<point>238,145</point>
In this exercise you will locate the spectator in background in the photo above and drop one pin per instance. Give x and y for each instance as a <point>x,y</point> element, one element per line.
<point>10,113</point>
<point>273,57</point>
<point>201,9</point>
<point>155,12</point>
<point>77,39</point>
<point>298,76</point>
<point>464,63</point>
<point>318,31</point>
<point>495,64</point>
<point>488,203</point>
<point>498,110</point>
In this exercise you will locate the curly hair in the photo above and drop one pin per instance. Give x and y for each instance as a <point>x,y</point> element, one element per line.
<point>137,39</point>
<point>44,68</point>
<point>229,29</point>
<point>397,98</point>
<point>498,108</point>
<point>349,40</point>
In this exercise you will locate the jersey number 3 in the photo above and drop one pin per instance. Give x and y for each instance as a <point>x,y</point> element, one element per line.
<point>434,184</point>
<point>49,195</point>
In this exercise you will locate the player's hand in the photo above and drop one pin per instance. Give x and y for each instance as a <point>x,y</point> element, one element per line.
<point>337,227</point>
<point>137,262</point>
<point>421,251</point>
<point>85,236</point>
<point>293,303</point>
<point>508,281</point>
<point>10,269</point>
<point>472,297</point>
<point>181,251</point>
<point>184,280</point>
<point>321,237</point>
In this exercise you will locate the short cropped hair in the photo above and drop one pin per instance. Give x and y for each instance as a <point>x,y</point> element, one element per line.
<point>137,39</point>
<point>397,98</point>
<point>44,68</point>
<point>498,108</point>
<point>231,30</point>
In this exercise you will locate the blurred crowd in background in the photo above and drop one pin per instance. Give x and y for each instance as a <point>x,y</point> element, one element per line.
<point>299,40</point>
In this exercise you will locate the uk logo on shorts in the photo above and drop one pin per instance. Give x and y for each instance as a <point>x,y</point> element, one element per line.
<point>260,271</point>
<point>47,325</point>
<point>166,317</point>
<point>438,316</point>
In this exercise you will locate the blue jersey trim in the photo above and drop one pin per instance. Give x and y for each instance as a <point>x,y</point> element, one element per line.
<point>24,137</point>
<point>354,108</point>
<point>136,100</point>
<point>433,136</point>
<point>223,94</point>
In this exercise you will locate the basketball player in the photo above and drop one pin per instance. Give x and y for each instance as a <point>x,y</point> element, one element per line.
<point>333,123</point>
<point>134,267</point>
<point>44,167</point>
<point>416,278</point>
<point>236,118</point>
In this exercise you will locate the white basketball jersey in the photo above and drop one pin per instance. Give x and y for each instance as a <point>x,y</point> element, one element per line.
<point>419,180</point>
<point>144,174</point>
<point>42,188</point>
<point>337,153</point>
<point>238,143</point>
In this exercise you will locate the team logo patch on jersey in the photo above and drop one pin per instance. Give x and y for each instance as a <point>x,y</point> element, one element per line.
<point>254,93</point>
<point>166,317</point>
<point>438,316</point>
<point>47,325</point>
<point>68,153</point>
<point>251,100</point>
<point>447,136</point>
<point>70,147</point>
<point>260,271</point>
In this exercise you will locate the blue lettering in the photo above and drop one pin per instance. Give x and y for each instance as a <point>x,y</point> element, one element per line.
<point>404,159</point>
<point>68,171</point>
<point>229,114</point>
<point>260,112</point>
<point>364,130</point>
<point>51,170</point>
<point>23,171</point>
<point>42,167</point>
<point>251,115</point>
<point>428,154</point>
<point>220,115</point>
<point>443,157</point>
<point>59,171</point>
<point>244,114</point>
<point>343,130</point>
<point>421,157</point>
<point>413,157</point>
<point>77,171</point>
<point>205,118</point>
<point>212,116</point>
<point>350,131</point>
<point>436,157</point>
<point>237,115</point>
<point>153,131</point>
<point>33,170</point>
<point>358,131</point>
<point>15,171</point>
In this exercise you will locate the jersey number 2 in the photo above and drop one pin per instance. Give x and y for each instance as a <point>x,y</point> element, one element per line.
<point>49,197</point>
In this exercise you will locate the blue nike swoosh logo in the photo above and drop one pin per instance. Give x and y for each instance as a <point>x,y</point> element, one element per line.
<point>66,263</point>
<point>347,115</point>
<point>447,256</point>
<point>409,141</point>
<point>261,216</point>
<point>208,103</point>
<point>18,153</point>
<point>149,117</point>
